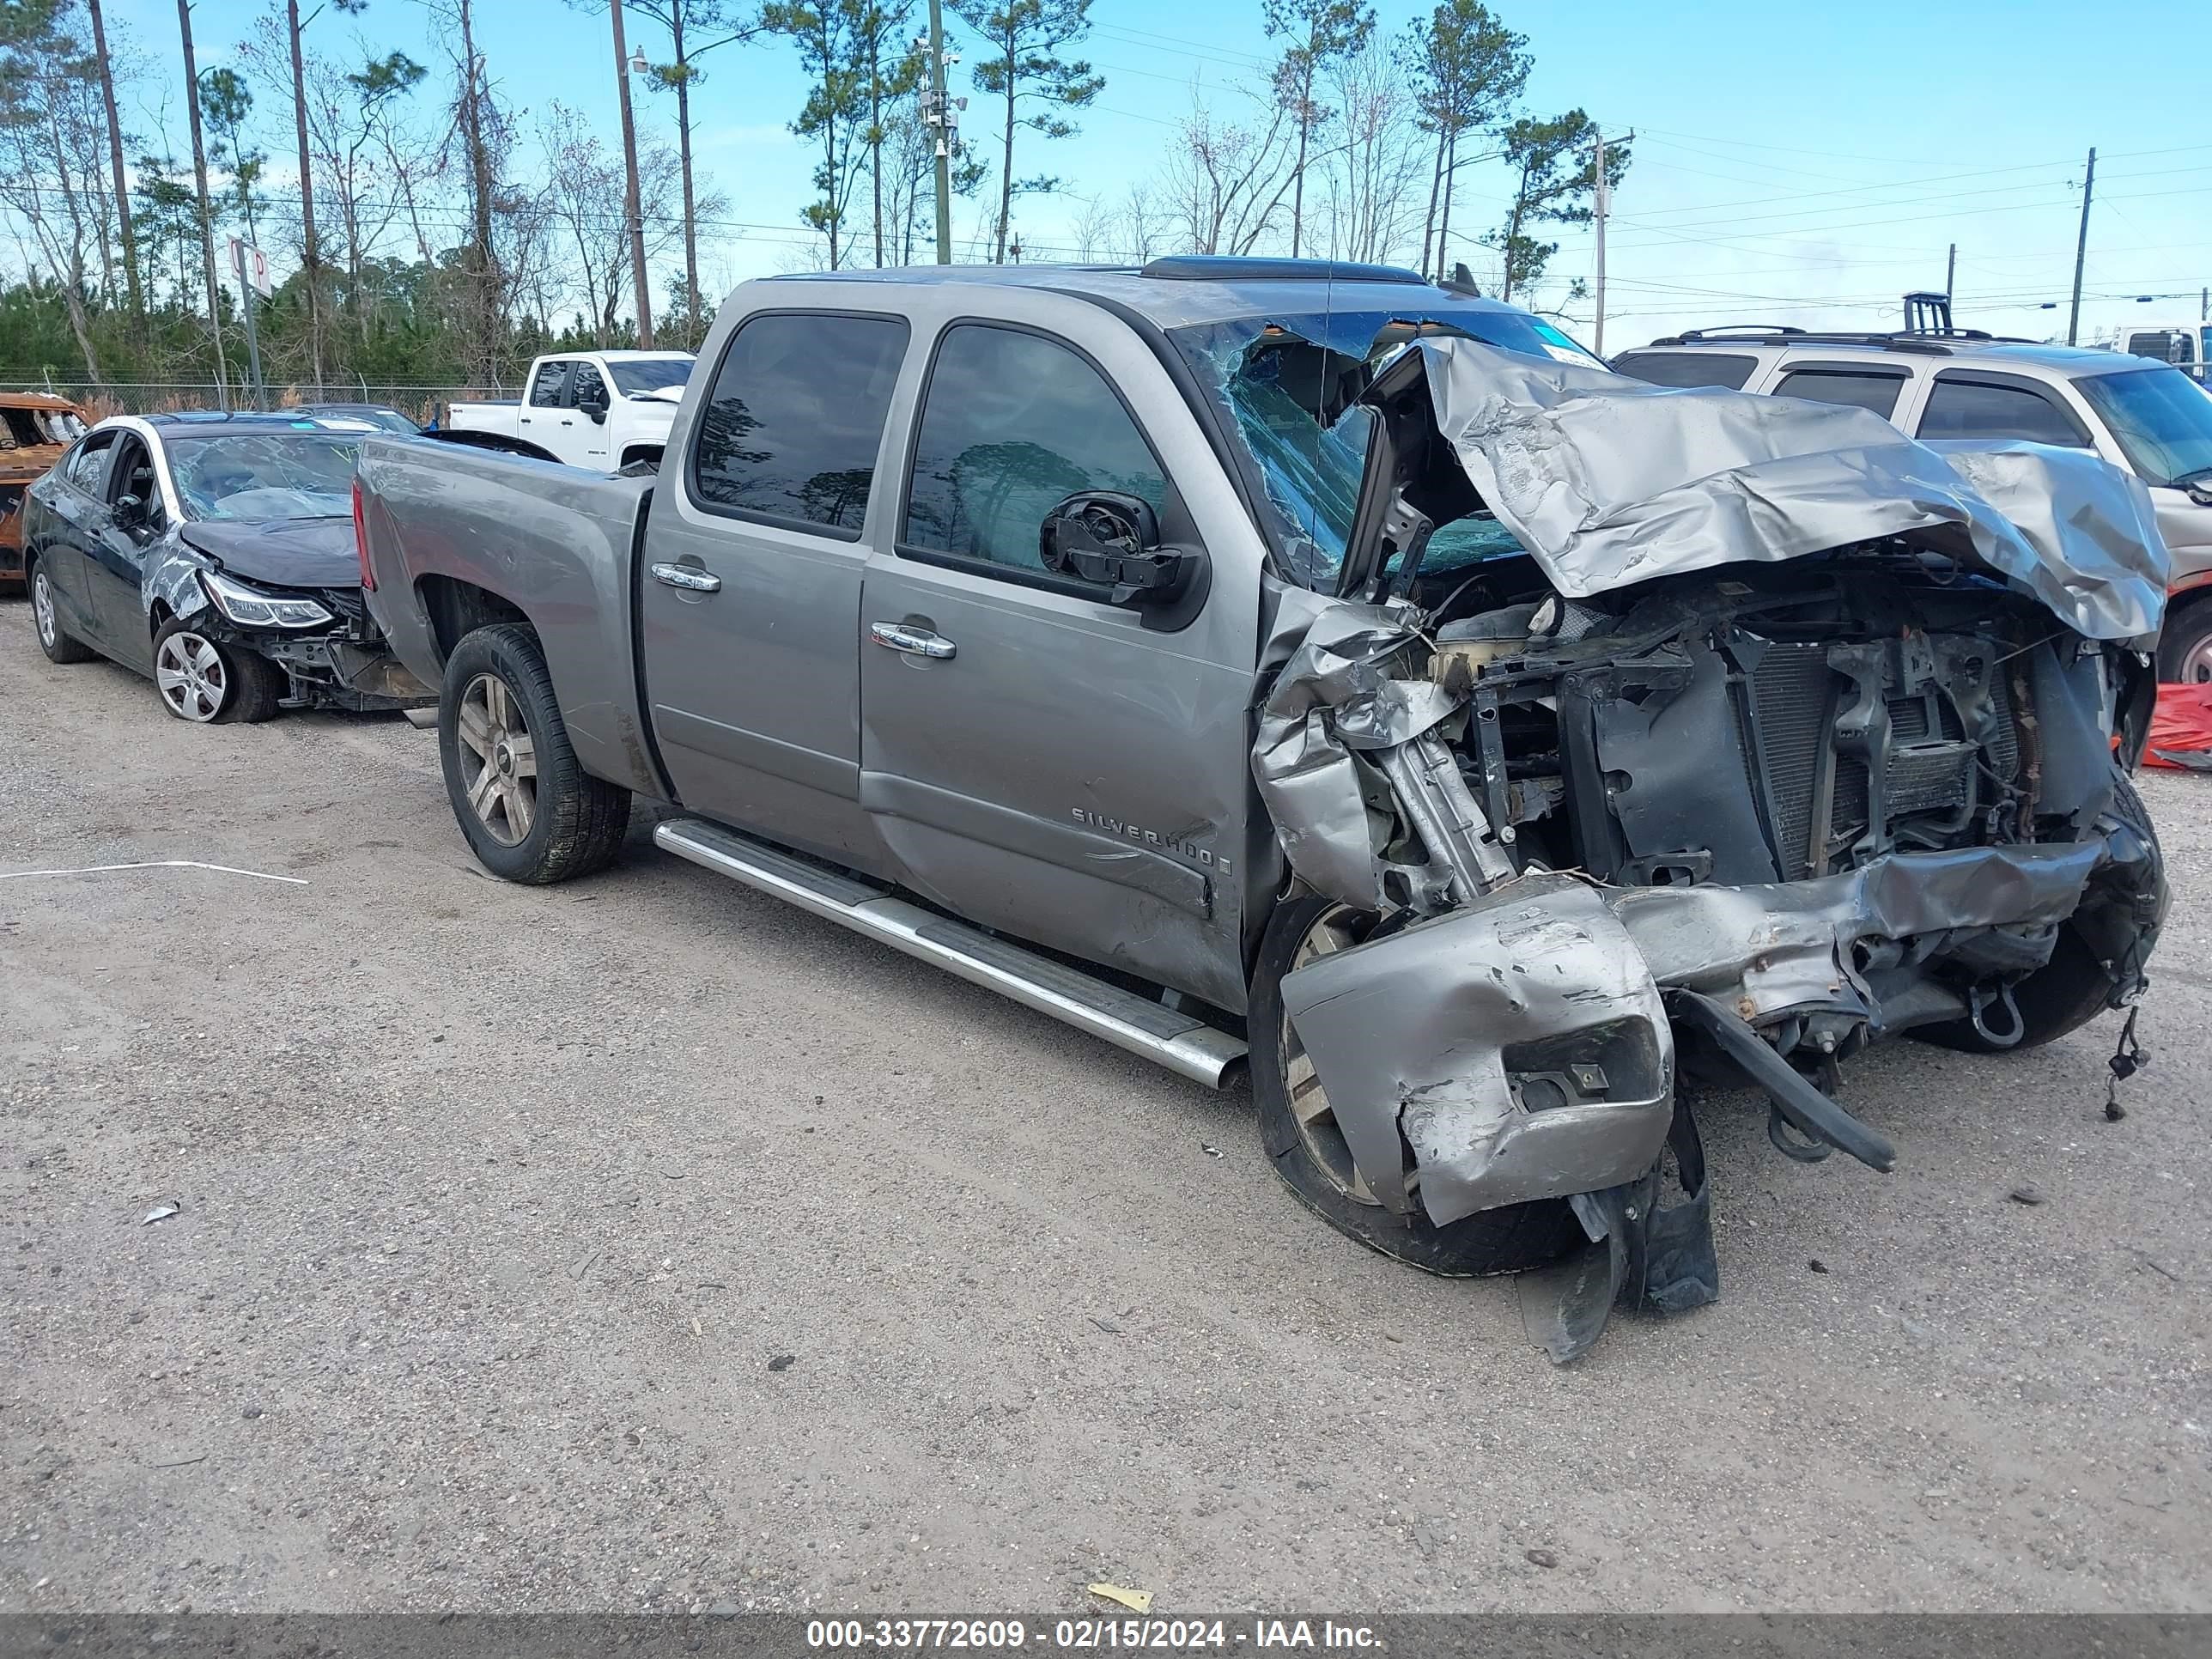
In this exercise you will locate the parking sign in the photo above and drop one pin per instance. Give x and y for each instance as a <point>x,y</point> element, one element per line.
<point>250,263</point>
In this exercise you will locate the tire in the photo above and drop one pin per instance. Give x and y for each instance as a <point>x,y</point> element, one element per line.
<point>204,681</point>
<point>530,811</point>
<point>1510,1239</point>
<point>2073,987</point>
<point>2184,648</point>
<point>60,645</point>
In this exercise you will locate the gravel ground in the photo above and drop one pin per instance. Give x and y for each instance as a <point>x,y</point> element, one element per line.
<point>643,1244</point>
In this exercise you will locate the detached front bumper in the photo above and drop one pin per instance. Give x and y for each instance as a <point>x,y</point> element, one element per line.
<point>1521,1045</point>
<point>336,672</point>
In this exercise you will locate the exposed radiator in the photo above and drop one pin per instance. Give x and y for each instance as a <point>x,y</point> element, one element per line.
<point>1933,769</point>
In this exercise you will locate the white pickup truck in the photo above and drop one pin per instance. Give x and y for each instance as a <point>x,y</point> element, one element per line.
<point>602,409</point>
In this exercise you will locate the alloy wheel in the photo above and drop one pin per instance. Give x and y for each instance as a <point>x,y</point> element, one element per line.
<point>499,761</point>
<point>191,676</point>
<point>42,608</point>
<point>2196,666</point>
<point>1338,928</point>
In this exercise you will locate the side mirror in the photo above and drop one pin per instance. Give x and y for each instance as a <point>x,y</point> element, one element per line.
<point>1113,540</point>
<point>129,513</point>
<point>594,404</point>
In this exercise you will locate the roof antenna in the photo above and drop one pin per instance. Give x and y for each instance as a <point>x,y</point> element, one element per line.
<point>1461,280</point>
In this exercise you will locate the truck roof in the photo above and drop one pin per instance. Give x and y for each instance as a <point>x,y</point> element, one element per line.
<point>1190,289</point>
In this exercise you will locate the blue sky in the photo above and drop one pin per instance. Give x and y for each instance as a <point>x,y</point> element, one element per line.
<point>1792,164</point>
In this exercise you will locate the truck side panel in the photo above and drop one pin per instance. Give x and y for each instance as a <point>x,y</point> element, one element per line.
<point>550,543</point>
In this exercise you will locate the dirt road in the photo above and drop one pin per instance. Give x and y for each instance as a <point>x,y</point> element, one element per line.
<point>645,1244</point>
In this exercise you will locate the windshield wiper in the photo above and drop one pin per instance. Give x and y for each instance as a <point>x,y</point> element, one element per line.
<point>2195,475</point>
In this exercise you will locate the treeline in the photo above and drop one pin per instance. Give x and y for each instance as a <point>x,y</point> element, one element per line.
<point>434,235</point>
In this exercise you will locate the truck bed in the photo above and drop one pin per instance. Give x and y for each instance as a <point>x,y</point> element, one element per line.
<point>457,537</point>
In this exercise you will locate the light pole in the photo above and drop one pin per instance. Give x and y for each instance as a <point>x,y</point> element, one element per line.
<point>641,290</point>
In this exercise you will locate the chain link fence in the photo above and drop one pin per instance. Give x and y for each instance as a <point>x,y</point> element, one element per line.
<point>107,398</point>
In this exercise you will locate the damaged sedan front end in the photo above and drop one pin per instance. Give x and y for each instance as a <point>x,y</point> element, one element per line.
<point>1753,733</point>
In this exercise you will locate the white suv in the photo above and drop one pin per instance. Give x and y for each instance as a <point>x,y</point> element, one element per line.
<point>2135,412</point>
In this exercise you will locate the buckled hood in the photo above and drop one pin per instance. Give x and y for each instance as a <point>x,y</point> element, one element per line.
<point>283,552</point>
<point>1607,482</point>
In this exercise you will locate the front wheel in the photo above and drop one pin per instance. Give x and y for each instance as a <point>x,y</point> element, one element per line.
<point>1309,1151</point>
<point>206,683</point>
<point>530,811</point>
<point>2184,647</point>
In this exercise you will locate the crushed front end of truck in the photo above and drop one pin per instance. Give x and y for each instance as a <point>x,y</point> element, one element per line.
<point>1760,733</point>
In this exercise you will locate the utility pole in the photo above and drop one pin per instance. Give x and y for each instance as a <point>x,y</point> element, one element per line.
<point>1951,274</point>
<point>1597,164</point>
<point>2081,249</point>
<point>308,246</point>
<point>939,115</point>
<point>641,289</point>
<point>206,211</point>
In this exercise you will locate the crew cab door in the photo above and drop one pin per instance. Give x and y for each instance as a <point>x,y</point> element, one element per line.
<point>750,590</point>
<point>1037,757</point>
<point>542,419</point>
<point>588,402</point>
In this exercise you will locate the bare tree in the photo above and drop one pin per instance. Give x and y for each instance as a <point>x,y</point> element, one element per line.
<point>1373,175</point>
<point>207,214</point>
<point>695,27</point>
<point>584,201</point>
<point>52,136</point>
<point>122,197</point>
<point>296,29</point>
<point>1226,181</point>
<point>1321,34</point>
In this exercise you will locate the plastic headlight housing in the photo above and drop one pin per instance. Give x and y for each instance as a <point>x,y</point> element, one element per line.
<point>250,607</point>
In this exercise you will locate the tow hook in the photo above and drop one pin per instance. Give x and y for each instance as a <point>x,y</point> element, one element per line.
<point>1797,1102</point>
<point>2009,1028</point>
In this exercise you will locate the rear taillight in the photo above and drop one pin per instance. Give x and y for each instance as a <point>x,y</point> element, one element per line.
<point>361,540</point>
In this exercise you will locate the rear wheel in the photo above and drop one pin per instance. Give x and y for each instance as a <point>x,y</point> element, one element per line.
<point>530,811</point>
<point>1309,1149</point>
<point>60,645</point>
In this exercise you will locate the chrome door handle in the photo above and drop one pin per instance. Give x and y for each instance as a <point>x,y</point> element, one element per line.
<point>914,641</point>
<point>689,577</point>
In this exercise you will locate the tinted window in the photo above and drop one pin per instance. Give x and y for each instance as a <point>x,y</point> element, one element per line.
<point>585,385</point>
<point>1013,424</point>
<point>84,468</point>
<point>545,385</point>
<point>1981,409</point>
<point>1719,368</point>
<point>2161,420</point>
<point>1824,385</point>
<point>796,416</point>
<point>634,376</point>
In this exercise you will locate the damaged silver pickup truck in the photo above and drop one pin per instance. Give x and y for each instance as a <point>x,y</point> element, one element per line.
<point>1267,659</point>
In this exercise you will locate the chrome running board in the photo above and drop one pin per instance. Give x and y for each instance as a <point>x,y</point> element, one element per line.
<point>1160,1034</point>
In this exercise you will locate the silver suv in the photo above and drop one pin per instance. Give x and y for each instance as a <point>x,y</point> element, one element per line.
<point>2135,412</point>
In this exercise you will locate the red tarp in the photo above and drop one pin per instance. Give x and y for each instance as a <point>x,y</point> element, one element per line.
<point>2181,729</point>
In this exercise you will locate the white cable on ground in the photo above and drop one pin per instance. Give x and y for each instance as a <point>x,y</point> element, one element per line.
<point>152,863</point>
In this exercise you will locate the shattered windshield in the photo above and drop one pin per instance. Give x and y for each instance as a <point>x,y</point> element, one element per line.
<point>1289,387</point>
<point>251,477</point>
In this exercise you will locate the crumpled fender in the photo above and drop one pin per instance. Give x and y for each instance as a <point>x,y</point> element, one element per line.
<point>1519,1044</point>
